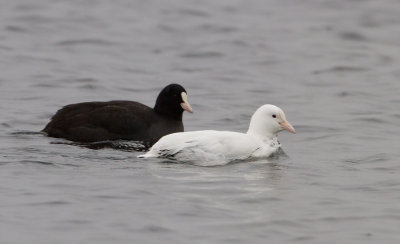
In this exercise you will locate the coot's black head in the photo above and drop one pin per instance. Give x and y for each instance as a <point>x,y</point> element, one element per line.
<point>172,101</point>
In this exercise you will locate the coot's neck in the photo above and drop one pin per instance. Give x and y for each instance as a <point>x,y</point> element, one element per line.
<point>175,114</point>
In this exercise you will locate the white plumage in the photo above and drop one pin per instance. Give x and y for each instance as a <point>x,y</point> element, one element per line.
<point>211,147</point>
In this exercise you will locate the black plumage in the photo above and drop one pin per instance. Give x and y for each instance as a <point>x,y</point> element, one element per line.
<point>125,120</point>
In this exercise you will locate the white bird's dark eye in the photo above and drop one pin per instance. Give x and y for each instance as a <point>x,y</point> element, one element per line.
<point>273,116</point>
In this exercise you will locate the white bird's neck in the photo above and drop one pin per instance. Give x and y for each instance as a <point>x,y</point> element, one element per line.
<point>259,129</point>
<point>261,134</point>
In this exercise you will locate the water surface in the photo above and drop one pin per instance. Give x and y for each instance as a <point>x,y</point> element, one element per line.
<point>333,66</point>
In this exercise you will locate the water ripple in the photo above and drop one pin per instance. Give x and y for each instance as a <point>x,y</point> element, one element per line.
<point>193,12</point>
<point>374,158</point>
<point>205,54</point>
<point>76,42</point>
<point>37,162</point>
<point>156,229</point>
<point>14,28</point>
<point>353,36</point>
<point>49,203</point>
<point>342,69</point>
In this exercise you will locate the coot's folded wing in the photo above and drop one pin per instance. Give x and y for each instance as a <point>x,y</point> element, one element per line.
<point>96,121</point>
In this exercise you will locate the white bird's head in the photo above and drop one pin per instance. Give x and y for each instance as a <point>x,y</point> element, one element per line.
<point>267,121</point>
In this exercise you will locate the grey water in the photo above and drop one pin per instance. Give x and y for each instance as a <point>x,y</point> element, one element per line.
<point>332,66</point>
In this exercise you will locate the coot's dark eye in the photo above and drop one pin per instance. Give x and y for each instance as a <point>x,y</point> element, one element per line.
<point>273,116</point>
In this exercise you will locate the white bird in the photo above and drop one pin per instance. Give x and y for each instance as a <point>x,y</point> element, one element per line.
<point>210,147</point>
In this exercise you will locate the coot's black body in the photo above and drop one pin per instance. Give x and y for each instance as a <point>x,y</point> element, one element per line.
<point>126,120</point>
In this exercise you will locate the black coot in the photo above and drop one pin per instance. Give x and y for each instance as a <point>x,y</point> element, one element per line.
<point>126,120</point>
